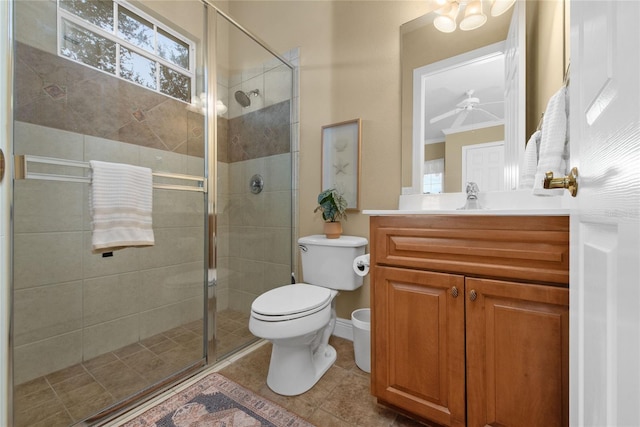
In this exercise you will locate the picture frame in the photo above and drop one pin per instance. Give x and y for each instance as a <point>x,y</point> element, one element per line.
<point>341,144</point>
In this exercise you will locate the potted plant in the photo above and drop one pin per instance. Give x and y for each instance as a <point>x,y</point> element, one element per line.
<point>333,206</point>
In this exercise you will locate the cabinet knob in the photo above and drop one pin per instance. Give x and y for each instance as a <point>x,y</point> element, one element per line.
<point>473,295</point>
<point>454,292</point>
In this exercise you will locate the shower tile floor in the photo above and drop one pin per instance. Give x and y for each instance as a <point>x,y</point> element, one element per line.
<point>74,393</point>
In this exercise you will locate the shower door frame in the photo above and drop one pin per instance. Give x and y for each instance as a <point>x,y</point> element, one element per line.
<point>212,158</point>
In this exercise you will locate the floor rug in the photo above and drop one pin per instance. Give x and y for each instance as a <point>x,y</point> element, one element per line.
<point>216,401</point>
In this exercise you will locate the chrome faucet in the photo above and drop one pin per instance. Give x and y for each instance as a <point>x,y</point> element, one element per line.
<point>472,191</point>
<point>472,197</point>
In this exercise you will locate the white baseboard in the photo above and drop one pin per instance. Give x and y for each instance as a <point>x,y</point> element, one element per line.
<point>343,329</point>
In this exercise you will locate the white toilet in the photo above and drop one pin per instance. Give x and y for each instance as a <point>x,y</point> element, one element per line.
<point>299,319</point>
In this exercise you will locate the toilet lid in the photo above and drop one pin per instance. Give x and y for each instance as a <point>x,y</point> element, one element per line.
<point>291,299</point>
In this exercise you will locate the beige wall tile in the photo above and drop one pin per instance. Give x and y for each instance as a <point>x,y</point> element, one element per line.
<point>169,285</point>
<point>122,261</point>
<point>276,275</point>
<point>279,249</point>
<point>277,176</point>
<point>29,138</point>
<point>42,206</point>
<point>246,209</point>
<point>247,242</point>
<point>108,150</point>
<point>247,275</point>
<point>177,209</point>
<point>40,15</point>
<point>222,299</point>
<point>161,319</point>
<point>47,311</point>
<point>174,246</point>
<point>277,209</point>
<point>62,351</point>
<point>104,337</point>
<point>111,297</point>
<point>277,85</point>
<point>45,258</point>
<point>163,161</point>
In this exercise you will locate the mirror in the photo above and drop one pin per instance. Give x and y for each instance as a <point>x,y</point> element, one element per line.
<point>423,47</point>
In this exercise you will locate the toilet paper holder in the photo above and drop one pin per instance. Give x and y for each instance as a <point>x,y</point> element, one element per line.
<point>361,264</point>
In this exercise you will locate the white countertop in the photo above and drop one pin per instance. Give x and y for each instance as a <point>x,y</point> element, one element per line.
<point>518,202</point>
<point>496,212</point>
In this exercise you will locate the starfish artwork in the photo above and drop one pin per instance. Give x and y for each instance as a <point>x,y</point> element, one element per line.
<point>340,144</point>
<point>340,166</point>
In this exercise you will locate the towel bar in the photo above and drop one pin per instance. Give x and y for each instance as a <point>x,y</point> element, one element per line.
<point>22,172</point>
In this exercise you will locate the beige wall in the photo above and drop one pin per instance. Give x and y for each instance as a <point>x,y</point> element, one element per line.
<point>546,57</point>
<point>453,152</point>
<point>350,67</point>
<point>434,151</point>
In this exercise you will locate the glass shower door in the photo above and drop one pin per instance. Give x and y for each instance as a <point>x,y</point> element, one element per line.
<point>93,330</point>
<point>254,221</point>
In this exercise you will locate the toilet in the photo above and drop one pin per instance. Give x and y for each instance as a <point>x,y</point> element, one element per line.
<point>298,319</point>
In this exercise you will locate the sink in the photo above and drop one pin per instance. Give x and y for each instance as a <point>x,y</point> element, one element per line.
<point>516,202</point>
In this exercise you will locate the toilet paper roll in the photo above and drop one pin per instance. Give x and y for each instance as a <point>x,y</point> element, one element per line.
<point>361,265</point>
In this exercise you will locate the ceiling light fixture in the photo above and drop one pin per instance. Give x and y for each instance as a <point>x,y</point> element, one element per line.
<point>448,10</point>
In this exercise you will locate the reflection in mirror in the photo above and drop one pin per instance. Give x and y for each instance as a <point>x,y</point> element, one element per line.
<point>423,45</point>
<point>435,86</point>
<point>458,116</point>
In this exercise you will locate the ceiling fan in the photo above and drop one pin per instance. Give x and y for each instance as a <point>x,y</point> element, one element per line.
<point>470,103</point>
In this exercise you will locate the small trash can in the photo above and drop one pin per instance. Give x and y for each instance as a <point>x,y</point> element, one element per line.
<point>361,321</point>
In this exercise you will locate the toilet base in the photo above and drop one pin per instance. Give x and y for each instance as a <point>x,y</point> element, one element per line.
<point>294,370</point>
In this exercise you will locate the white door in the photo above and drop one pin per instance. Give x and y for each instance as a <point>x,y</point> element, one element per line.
<point>484,165</point>
<point>605,215</point>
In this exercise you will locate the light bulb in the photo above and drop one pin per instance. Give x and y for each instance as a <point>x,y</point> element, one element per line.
<point>473,16</point>
<point>447,22</point>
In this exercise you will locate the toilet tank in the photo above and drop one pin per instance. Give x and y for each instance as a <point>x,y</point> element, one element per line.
<point>329,262</point>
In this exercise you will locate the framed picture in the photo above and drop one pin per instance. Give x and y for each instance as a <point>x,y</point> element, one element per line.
<point>341,160</point>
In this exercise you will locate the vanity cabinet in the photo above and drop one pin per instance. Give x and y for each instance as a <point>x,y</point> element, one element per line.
<point>470,318</point>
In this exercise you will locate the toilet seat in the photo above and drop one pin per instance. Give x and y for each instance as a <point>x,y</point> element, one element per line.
<point>290,302</point>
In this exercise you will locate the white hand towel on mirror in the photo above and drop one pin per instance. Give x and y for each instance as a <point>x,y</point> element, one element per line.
<point>553,144</point>
<point>120,202</point>
<point>527,176</point>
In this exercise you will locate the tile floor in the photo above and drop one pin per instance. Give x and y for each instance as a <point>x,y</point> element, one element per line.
<point>77,392</point>
<point>340,399</point>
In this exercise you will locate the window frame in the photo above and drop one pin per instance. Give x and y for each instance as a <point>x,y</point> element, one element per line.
<point>63,14</point>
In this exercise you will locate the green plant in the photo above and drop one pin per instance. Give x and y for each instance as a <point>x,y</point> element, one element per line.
<point>332,204</point>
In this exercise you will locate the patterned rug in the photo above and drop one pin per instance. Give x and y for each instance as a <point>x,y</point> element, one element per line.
<point>215,401</point>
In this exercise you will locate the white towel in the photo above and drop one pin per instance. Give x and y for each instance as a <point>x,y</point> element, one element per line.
<point>530,166</point>
<point>553,144</point>
<point>120,205</point>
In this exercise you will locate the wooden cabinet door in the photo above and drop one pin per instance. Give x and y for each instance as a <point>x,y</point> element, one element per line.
<point>517,354</point>
<point>418,343</point>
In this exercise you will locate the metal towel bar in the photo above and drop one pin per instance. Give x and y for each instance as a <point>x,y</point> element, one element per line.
<point>22,171</point>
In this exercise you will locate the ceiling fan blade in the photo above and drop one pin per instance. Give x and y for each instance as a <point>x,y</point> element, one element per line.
<point>444,116</point>
<point>488,113</point>
<point>460,119</point>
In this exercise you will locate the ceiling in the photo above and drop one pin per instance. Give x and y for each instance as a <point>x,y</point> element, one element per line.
<point>444,90</point>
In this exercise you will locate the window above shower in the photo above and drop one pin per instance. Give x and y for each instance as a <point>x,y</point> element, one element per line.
<point>114,37</point>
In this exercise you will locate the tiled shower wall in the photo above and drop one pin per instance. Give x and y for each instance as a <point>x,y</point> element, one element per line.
<point>72,305</point>
<point>255,231</point>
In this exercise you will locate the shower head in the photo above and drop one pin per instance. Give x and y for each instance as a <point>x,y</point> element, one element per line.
<point>243,98</point>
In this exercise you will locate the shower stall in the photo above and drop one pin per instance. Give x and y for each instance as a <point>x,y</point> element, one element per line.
<point>149,84</point>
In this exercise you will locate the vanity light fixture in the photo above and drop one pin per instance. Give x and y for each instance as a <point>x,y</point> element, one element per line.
<point>474,17</point>
<point>446,22</point>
